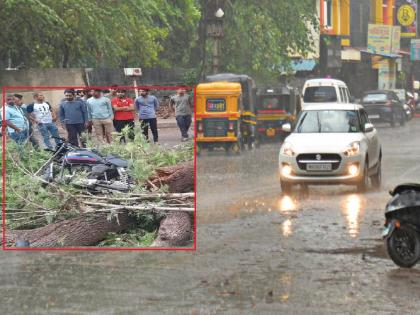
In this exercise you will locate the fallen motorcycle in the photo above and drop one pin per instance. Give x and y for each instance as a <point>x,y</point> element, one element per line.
<point>402,225</point>
<point>85,168</point>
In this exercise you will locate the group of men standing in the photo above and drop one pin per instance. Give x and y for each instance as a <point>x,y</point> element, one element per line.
<point>91,109</point>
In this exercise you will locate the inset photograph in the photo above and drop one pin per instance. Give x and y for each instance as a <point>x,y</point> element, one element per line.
<point>98,167</point>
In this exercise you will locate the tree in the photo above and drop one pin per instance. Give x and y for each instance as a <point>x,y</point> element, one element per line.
<point>260,36</point>
<point>50,33</point>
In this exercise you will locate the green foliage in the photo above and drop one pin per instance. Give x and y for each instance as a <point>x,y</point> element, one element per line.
<point>51,33</point>
<point>144,157</point>
<point>260,35</point>
<point>133,238</point>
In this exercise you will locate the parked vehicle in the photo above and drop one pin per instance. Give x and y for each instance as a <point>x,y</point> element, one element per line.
<point>218,115</point>
<point>402,225</point>
<point>331,144</point>
<point>384,106</point>
<point>407,99</point>
<point>85,168</point>
<point>226,112</point>
<point>321,91</point>
<point>275,107</point>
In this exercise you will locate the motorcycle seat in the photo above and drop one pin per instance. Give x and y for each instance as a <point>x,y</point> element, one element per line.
<point>118,162</point>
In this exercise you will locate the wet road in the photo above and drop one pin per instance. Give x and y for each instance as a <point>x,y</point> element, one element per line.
<point>258,252</point>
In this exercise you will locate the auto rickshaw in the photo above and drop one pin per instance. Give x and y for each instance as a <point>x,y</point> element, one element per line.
<point>248,117</point>
<point>218,116</point>
<point>275,107</point>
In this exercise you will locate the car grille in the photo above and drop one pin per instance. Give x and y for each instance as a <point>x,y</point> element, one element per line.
<point>303,159</point>
<point>215,127</point>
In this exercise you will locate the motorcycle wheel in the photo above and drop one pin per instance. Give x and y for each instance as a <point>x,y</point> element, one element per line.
<point>403,247</point>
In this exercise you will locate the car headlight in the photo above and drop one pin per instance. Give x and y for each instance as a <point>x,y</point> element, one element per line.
<point>352,149</point>
<point>286,149</point>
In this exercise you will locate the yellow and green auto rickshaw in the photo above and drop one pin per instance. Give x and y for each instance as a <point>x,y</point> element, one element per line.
<point>275,107</point>
<point>218,116</point>
<point>248,122</point>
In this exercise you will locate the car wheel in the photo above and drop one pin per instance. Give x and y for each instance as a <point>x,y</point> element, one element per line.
<point>363,184</point>
<point>286,187</point>
<point>377,178</point>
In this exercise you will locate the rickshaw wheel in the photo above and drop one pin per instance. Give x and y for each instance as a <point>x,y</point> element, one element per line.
<point>236,148</point>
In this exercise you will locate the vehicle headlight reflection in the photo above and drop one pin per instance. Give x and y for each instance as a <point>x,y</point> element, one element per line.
<point>286,228</point>
<point>287,204</point>
<point>352,208</point>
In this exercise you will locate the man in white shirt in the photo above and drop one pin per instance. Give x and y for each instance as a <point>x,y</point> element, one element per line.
<point>42,115</point>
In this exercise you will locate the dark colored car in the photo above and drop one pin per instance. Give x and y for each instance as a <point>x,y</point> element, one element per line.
<point>385,106</point>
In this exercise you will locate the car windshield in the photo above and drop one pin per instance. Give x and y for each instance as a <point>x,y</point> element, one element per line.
<point>328,121</point>
<point>377,97</point>
<point>320,94</point>
<point>274,102</point>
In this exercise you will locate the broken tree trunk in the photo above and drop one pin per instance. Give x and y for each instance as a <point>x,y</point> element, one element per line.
<point>175,230</point>
<point>84,230</point>
<point>179,178</point>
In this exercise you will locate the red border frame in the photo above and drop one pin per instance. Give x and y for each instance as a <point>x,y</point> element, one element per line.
<point>5,90</point>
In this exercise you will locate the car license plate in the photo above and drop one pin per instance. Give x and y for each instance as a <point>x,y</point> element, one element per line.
<point>271,132</point>
<point>319,167</point>
<point>373,116</point>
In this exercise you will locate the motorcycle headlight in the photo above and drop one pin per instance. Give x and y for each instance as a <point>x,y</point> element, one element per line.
<point>352,149</point>
<point>286,149</point>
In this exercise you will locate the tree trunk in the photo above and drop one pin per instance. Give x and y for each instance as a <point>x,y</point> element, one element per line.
<point>84,230</point>
<point>175,230</point>
<point>179,178</point>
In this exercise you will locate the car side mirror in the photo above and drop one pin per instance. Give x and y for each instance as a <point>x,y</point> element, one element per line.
<point>369,127</point>
<point>287,127</point>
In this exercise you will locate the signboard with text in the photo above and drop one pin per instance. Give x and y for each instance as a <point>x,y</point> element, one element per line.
<point>406,17</point>
<point>415,49</point>
<point>383,39</point>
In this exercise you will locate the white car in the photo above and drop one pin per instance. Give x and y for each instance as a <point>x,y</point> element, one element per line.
<point>331,144</point>
<point>319,91</point>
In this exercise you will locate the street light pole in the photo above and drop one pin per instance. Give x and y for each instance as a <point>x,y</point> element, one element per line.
<point>215,30</point>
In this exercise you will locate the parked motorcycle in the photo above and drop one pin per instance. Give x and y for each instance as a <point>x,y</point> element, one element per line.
<point>408,112</point>
<point>402,225</point>
<point>85,168</point>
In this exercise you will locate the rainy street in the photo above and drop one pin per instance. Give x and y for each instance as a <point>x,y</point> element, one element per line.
<point>258,252</point>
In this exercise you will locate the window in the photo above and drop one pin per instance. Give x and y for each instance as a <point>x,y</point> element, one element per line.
<point>341,95</point>
<point>328,13</point>
<point>375,97</point>
<point>320,94</point>
<point>348,95</point>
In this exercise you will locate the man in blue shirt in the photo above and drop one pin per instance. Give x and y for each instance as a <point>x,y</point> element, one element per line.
<point>100,112</point>
<point>16,121</point>
<point>73,116</point>
<point>146,105</point>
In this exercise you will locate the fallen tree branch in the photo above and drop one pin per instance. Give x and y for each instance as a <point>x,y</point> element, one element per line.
<point>144,208</point>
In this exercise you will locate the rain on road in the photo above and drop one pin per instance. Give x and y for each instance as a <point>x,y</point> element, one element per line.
<point>258,252</point>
